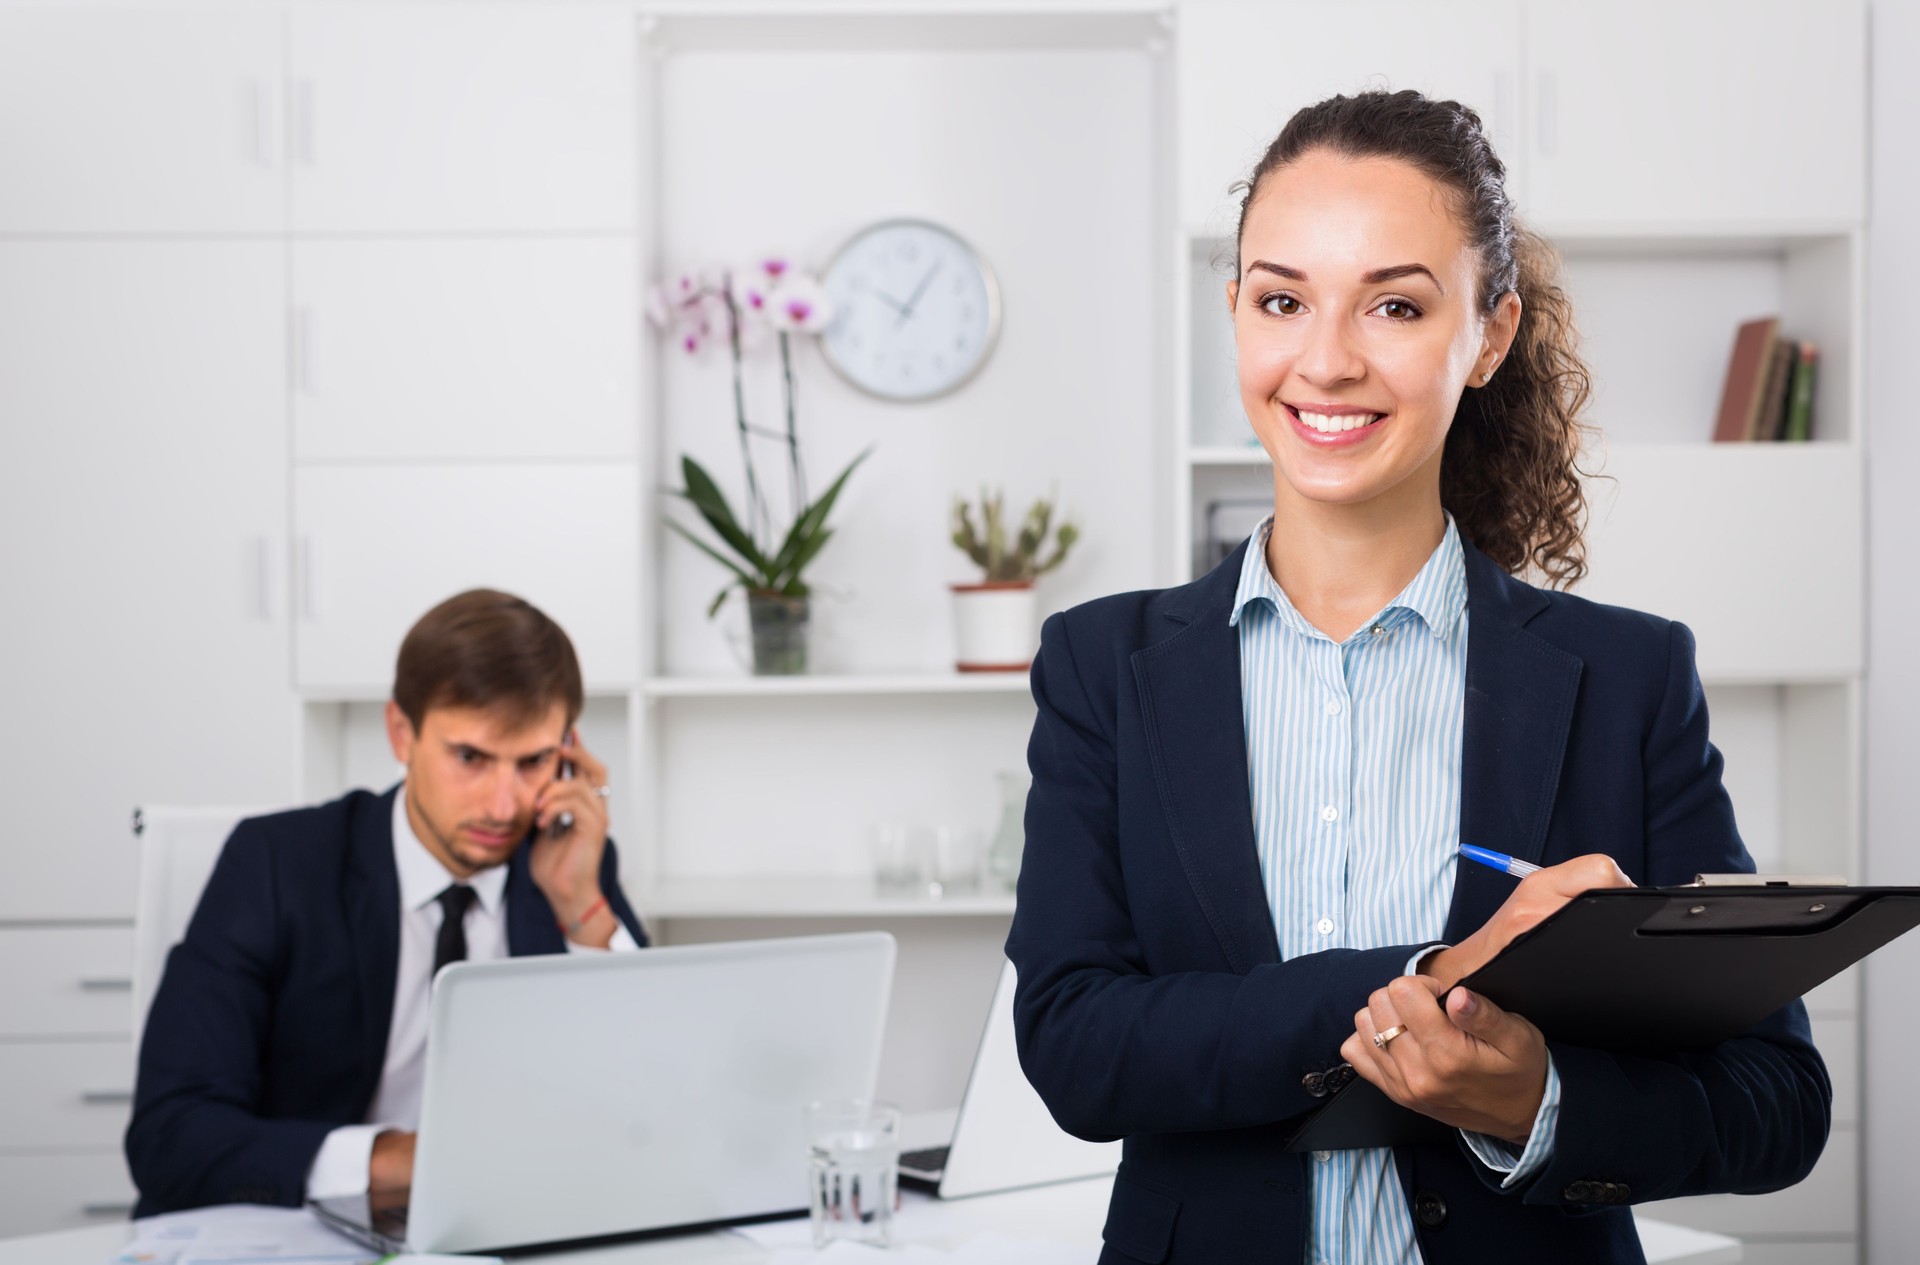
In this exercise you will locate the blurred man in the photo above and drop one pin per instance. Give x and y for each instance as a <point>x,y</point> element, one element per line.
<point>285,1050</point>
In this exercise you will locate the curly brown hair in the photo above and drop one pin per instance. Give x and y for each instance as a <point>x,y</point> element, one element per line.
<point>1510,473</point>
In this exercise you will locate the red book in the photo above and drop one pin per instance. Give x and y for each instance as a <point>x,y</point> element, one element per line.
<point>1740,398</point>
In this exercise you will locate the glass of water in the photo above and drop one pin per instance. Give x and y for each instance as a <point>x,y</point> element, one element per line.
<point>853,1170</point>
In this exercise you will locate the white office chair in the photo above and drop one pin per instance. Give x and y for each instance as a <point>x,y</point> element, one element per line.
<point>178,846</point>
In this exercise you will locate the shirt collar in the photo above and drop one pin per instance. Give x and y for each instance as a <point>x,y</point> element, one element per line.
<point>423,877</point>
<point>1438,594</point>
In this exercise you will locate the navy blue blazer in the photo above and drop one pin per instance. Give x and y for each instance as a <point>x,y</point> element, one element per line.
<point>1153,1005</point>
<point>269,1028</point>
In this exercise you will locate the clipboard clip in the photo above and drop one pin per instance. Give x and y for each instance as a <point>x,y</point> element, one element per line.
<point>1767,880</point>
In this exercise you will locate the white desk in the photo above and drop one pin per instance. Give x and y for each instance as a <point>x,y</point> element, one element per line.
<point>1072,1211</point>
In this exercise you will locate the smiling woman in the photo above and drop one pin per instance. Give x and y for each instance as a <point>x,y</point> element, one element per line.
<point>1240,887</point>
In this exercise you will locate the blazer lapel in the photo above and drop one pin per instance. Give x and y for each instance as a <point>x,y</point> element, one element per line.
<point>531,927</point>
<point>1519,708</point>
<point>1196,738</point>
<point>373,921</point>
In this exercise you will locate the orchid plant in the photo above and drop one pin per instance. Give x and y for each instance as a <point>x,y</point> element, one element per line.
<point>742,308</point>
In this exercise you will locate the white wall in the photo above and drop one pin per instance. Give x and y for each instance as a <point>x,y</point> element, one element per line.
<point>1893,668</point>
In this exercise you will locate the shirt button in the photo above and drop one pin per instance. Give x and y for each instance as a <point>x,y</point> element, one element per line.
<point>1323,1156</point>
<point>1324,926</point>
<point>1333,707</point>
<point>1329,813</point>
<point>1378,630</point>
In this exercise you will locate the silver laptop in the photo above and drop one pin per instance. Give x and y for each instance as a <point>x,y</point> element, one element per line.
<point>1004,1137</point>
<point>574,1098</point>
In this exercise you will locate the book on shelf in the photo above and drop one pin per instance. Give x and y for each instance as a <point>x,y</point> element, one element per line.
<point>1800,395</point>
<point>1768,393</point>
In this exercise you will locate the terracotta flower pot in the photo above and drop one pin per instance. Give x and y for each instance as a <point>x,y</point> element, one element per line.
<point>994,626</point>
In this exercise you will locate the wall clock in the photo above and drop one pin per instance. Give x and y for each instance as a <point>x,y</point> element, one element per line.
<point>915,310</point>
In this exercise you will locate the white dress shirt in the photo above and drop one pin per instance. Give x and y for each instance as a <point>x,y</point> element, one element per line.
<point>1353,759</point>
<point>341,1167</point>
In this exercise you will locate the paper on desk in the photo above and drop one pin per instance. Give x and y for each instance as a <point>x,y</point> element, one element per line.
<point>239,1234</point>
<point>983,1249</point>
<point>920,1218</point>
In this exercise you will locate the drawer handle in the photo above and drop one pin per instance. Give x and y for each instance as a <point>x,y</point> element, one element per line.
<point>106,984</point>
<point>106,1096</point>
<point>107,1208</point>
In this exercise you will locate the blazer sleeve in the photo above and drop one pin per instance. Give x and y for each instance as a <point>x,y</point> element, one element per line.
<point>1747,1116</point>
<point>617,899</point>
<point>195,1137</point>
<point>1112,1047</point>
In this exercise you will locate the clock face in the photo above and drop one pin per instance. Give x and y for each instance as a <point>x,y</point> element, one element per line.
<point>915,311</point>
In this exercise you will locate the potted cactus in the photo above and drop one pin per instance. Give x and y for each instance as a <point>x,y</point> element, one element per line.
<point>994,619</point>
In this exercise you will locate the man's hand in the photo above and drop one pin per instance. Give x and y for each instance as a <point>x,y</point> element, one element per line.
<point>391,1166</point>
<point>1468,1063</point>
<point>567,868</point>
<point>1539,895</point>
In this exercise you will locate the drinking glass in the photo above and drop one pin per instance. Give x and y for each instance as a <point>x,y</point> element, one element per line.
<point>959,853</point>
<point>853,1171</point>
<point>900,862</point>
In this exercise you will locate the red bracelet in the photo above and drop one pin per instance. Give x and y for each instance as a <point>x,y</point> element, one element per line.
<point>573,928</point>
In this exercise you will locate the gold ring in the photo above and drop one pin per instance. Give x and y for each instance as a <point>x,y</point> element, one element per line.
<point>1380,1039</point>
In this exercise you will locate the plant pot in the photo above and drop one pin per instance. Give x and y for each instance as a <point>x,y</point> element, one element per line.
<point>994,626</point>
<point>779,625</point>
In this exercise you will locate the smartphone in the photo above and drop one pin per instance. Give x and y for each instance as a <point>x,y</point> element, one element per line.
<point>563,822</point>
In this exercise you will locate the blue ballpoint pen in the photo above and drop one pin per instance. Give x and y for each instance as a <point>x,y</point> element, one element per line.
<point>1497,860</point>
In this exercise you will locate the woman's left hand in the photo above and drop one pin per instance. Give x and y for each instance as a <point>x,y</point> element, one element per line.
<point>1466,1063</point>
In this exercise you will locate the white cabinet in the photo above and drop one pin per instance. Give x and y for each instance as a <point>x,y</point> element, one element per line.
<point>140,120</point>
<point>469,117</point>
<point>1245,67</point>
<point>142,524</point>
<point>1729,111</point>
<point>377,546</point>
<point>465,348</point>
<point>1752,513</point>
<point>65,1094</point>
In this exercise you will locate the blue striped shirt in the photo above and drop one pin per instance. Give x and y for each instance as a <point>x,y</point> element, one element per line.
<point>1353,756</point>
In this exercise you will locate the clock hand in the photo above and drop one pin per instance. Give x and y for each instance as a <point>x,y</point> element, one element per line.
<point>913,300</point>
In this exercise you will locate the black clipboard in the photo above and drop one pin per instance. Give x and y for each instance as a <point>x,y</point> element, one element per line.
<point>1649,969</point>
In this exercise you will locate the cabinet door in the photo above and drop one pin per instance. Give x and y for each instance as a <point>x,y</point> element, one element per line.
<point>378,546</point>
<point>436,117</point>
<point>155,120</point>
<point>469,348</point>
<point>142,523</point>
<point>1245,67</point>
<point>1715,112</point>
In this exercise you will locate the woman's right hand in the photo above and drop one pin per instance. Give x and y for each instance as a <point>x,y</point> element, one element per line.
<point>1539,895</point>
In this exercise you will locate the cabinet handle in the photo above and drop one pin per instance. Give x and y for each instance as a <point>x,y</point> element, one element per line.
<point>303,121</point>
<point>256,109</point>
<point>306,558</point>
<point>106,1096</point>
<point>107,1208</point>
<point>302,357</point>
<point>1547,120</point>
<point>105,984</point>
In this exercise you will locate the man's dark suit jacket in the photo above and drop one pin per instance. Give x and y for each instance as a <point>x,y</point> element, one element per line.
<point>269,1029</point>
<point>1153,1004</point>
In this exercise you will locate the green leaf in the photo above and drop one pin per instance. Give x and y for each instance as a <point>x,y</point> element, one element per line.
<point>712,504</point>
<point>808,526</point>
<point>711,552</point>
<point>813,546</point>
<point>718,598</point>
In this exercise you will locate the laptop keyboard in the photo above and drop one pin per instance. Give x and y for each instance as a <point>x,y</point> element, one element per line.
<point>932,1159</point>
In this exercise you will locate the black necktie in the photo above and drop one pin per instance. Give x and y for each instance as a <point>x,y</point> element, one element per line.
<point>452,944</point>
